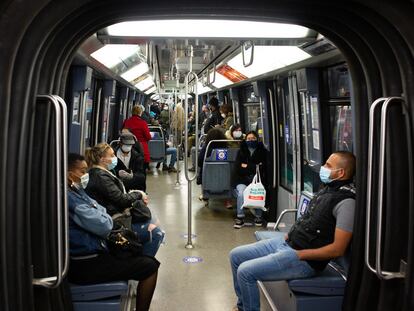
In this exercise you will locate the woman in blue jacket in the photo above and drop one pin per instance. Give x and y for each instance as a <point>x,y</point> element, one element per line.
<point>89,225</point>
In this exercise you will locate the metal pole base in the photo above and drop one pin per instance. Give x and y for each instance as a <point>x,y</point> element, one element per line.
<point>189,246</point>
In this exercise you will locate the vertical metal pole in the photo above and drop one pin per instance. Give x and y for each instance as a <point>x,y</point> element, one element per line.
<point>189,178</point>
<point>177,182</point>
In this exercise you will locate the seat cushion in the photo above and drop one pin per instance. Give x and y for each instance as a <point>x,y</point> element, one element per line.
<point>264,235</point>
<point>328,283</point>
<point>98,291</point>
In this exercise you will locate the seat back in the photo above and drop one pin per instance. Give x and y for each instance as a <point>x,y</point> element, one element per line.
<point>219,166</point>
<point>156,145</point>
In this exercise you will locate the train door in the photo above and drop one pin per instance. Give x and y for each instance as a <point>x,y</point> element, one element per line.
<point>289,143</point>
<point>81,103</point>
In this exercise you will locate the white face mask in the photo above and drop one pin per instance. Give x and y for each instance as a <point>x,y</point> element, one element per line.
<point>126,148</point>
<point>237,134</point>
<point>84,180</point>
<point>223,115</point>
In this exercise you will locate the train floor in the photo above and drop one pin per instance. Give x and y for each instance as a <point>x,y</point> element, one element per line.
<point>198,279</point>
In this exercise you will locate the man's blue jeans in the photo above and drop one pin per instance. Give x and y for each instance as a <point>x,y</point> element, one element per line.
<point>238,193</point>
<point>266,260</point>
<point>173,152</point>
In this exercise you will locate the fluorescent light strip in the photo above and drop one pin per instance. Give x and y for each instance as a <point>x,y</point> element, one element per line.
<point>220,80</point>
<point>145,83</point>
<point>202,89</point>
<point>135,72</point>
<point>267,58</point>
<point>151,90</point>
<point>112,54</point>
<point>207,29</point>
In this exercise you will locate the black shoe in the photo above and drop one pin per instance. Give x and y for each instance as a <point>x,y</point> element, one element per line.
<point>165,168</point>
<point>172,169</point>
<point>258,222</point>
<point>158,165</point>
<point>238,223</point>
<point>192,169</point>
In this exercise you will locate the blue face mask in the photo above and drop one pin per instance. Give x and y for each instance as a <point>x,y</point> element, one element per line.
<point>325,174</point>
<point>113,163</point>
<point>252,144</point>
<point>84,180</point>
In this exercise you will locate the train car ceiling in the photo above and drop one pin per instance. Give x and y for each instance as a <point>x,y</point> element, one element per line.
<point>154,56</point>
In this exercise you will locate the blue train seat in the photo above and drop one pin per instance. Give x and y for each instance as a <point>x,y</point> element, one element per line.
<point>98,297</point>
<point>156,145</point>
<point>219,166</point>
<point>323,292</point>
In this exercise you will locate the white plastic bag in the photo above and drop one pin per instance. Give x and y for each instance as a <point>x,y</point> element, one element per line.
<point>254,196</point>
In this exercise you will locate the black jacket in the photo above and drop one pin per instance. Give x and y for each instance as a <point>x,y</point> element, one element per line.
<point>107,190</point>
<point>136,165</point>
<point>245,175</point>
<point>316,228</point>
<point>212,121</point>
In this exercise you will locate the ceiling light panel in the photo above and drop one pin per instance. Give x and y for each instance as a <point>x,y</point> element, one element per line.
<point>151,90</point>
<point>220,81</point>
<point>135,72</point>
<point>112,54</point>
<point>267,58</point>
<point>207,29</point>
<point>145,83</point>
<point>202,89</point>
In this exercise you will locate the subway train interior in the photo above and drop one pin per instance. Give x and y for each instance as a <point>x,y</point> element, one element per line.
<point>309,77</point>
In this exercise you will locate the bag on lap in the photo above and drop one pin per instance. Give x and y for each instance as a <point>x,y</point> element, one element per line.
<point>254,196</point>
<point>124,243</point>
<point>140,212</point>
<point>123,219</point>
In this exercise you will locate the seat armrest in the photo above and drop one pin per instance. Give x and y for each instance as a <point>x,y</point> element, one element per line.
<point>283,213</point>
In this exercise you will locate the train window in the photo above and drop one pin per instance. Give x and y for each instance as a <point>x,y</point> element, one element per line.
<point>285,137</point>
<point>341,128</point>
<point>338,80</point>
<point>252,116</point>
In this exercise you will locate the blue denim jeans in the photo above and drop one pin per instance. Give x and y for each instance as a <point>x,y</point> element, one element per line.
<point>238,193</point>
<point>266,260</point>
<point>151,240</point>
<point>173,152</point>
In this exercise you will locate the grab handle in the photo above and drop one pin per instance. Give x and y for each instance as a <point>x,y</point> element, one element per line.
<point>251,55</point>
<point>54,281</point>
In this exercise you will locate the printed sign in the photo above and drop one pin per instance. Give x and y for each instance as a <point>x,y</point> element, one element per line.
<point>192,259</point>
<point>221,155</point>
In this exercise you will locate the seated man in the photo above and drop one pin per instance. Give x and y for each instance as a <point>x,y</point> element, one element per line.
<point>130,167</point>
<point>89,226</point>
<point>320,235</point>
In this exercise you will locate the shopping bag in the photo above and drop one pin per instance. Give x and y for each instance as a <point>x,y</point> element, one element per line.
<point>254,196</point>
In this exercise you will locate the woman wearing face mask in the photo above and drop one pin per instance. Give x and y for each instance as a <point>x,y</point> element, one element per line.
<point>251,153</point>
<point>227,115</point>
<point>110,192</point>
<point>131,166</point>
<point>235,132</point>
<point>89,226</point>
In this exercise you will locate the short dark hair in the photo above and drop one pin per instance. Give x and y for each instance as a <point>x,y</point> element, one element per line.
<point>253,133</point>
<point>348,162</point>
<point>73,158</point>
<point>213,102</point>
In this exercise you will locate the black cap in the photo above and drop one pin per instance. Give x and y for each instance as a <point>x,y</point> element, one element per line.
<point>127,139</point>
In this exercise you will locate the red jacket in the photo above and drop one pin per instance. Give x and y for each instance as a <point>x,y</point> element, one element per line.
<point>140,129</point>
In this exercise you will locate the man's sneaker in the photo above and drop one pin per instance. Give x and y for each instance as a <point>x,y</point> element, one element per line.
<point>238,223</point>
<point>192,169</point>
<point>258,222</point>
<point>165,168</point>
<point>158,165</point>
<point>172,169</point>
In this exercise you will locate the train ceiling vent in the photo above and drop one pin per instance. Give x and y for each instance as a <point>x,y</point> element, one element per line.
<point>318,47</point>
